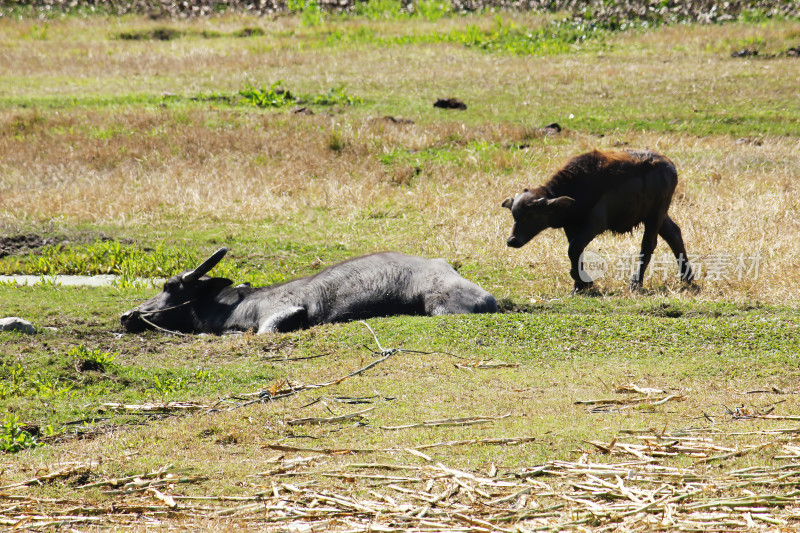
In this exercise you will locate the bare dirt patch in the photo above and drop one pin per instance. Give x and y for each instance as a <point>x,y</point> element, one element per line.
<point>25,243</point>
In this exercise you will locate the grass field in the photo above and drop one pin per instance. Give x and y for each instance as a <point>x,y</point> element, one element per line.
<point>137,147</point>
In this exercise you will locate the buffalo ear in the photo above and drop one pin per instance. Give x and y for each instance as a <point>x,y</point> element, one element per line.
<point>562,202</point>
<point>212,286</point>
<point>507,203</point>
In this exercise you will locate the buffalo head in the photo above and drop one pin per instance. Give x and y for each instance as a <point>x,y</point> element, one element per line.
<point>532,214</point>
<point>175,308</point>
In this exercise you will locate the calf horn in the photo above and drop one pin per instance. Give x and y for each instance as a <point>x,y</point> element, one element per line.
<point>208,264</point>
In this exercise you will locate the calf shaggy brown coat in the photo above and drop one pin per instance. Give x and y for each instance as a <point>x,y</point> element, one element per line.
<point>601,191</point>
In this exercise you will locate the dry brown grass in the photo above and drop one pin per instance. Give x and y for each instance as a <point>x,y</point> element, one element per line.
<point>134,165</point>
<point>733,198</point>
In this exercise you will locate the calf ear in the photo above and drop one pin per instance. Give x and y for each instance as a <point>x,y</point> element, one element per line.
<point>562,202</point>
<point>507,203</point>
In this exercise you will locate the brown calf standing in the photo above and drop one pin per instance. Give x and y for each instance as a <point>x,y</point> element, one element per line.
<point>601,191</point>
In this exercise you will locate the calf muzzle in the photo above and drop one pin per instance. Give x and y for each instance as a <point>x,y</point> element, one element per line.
<point>513,242</point>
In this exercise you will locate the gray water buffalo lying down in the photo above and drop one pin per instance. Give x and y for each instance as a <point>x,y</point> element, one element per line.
<point>603,191</point>
<point>373,285</point>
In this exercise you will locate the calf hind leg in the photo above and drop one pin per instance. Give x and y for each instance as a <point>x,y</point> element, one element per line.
<point>649,241</point>
<point>671,233</point>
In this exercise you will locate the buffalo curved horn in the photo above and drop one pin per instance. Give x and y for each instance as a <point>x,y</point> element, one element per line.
<point>208,264</point>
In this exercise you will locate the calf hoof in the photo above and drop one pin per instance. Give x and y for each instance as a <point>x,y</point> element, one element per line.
<point>582,287</point>
<point>635,286</point>
<point>691,287</point>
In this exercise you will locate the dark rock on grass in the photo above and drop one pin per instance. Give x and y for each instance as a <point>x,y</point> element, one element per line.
<point>156,34</point>
<point>393,120</point>
<point>552,129</point>
<point>745,52</point>
<point>89,365</point>
<point>31,429</point>
<point>250,32</point>
<point>450,103</point>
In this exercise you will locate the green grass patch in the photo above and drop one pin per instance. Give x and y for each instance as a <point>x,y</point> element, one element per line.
<point>88,101</point>
<point>504,36</point>
<point>69,376</point>
<point>274,96</point>
<point>15,436</point>
<point>102,257</point>
<point>507,37</point>
<point>277,96</point>
<point>134,264</point>
<point>680,344</point>
<point>749,99</point>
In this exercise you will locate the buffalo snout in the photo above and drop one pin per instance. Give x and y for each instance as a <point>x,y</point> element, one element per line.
<point>132,321</point>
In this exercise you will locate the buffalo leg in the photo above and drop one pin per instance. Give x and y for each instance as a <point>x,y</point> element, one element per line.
<point>649,241</point>
<point>671,233</point>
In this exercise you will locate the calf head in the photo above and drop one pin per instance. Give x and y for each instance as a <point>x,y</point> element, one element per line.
<point>175,308</point>
<point>533,213</point>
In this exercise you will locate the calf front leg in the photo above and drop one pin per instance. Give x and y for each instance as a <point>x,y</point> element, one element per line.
<point>577,245</point>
